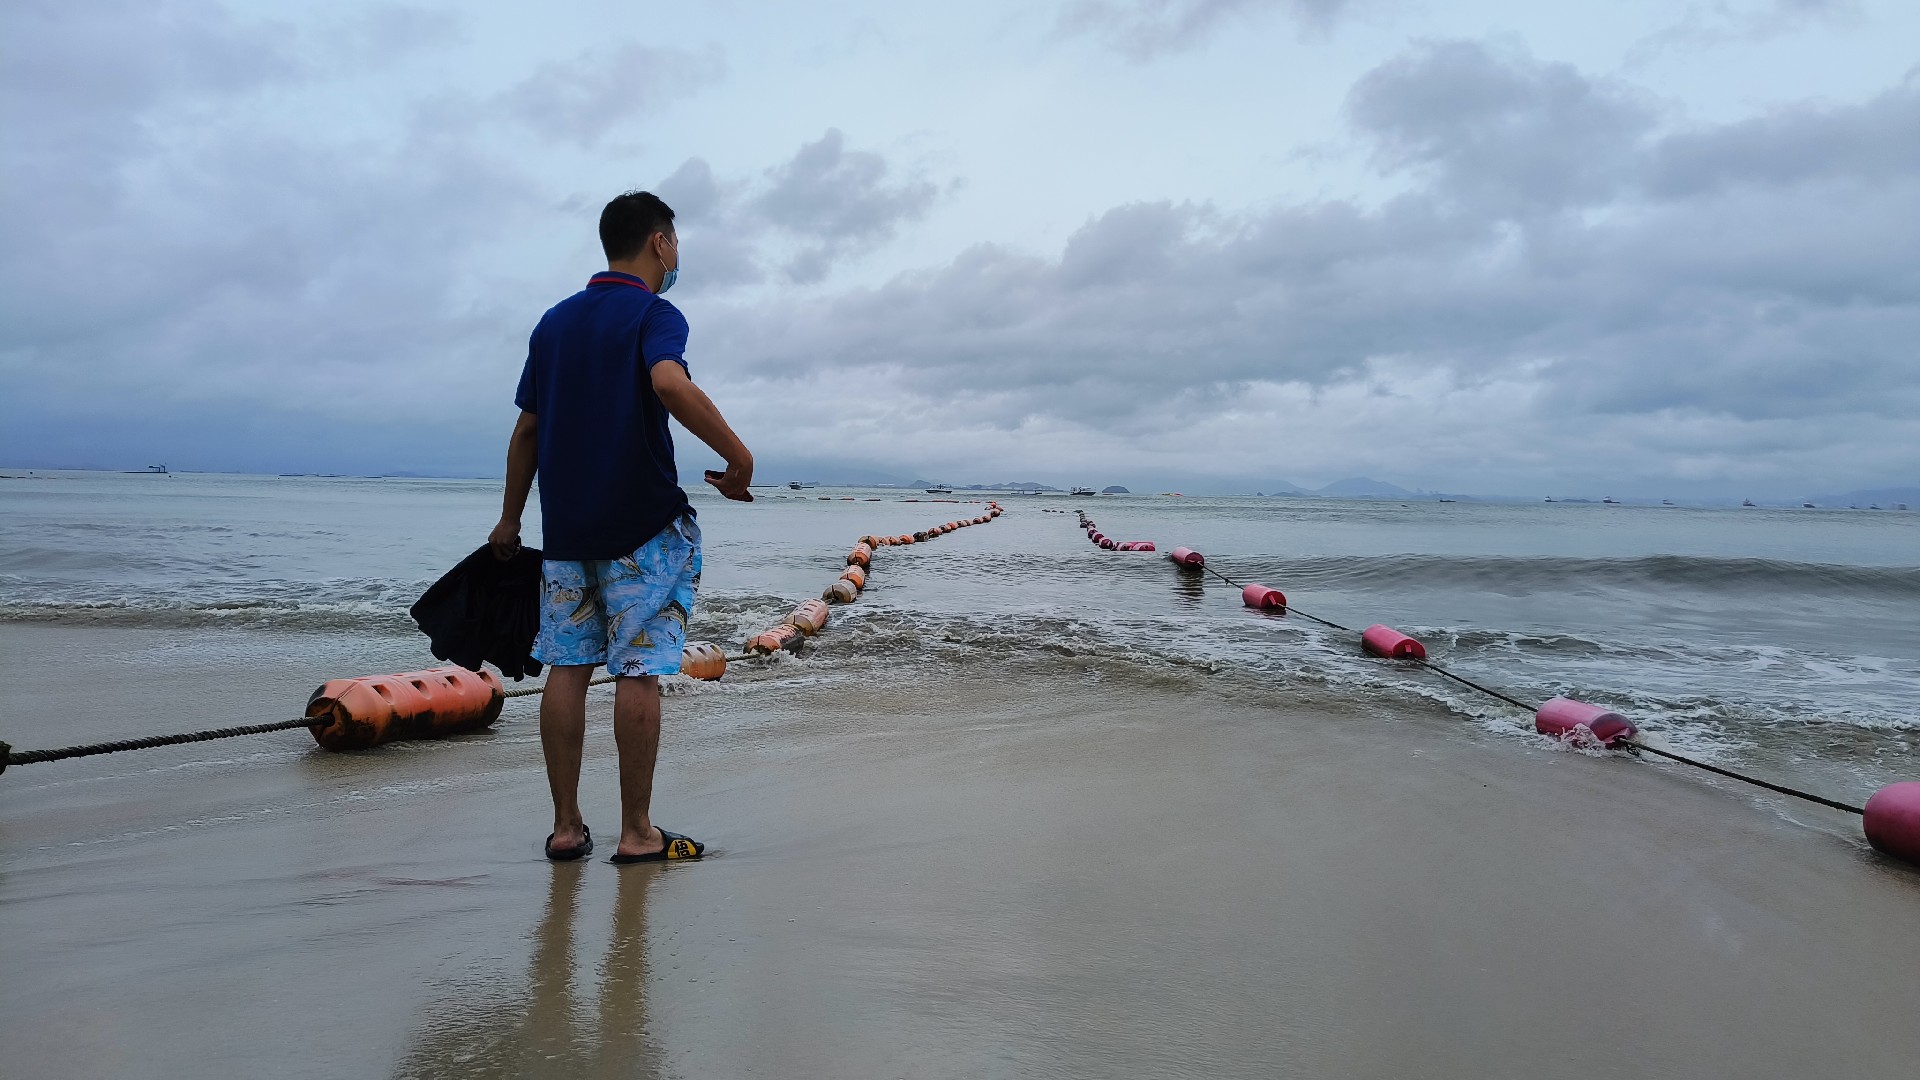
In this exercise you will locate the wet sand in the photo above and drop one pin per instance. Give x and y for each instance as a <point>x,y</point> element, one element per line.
<point>1001,874</point>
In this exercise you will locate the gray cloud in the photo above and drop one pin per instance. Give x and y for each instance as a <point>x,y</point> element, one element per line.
<point>582,99</point>
<point>1555,242</point>
<point>1700,26</point>
<point>823,204</point>
<point>1142,30</point>
<point>839,200</point>
<point>1498,128</point>
<point>184,259</point>
<point>1570,275</point>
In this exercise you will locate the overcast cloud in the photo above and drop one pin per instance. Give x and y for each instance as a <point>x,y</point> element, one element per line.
<point>1213,244</point>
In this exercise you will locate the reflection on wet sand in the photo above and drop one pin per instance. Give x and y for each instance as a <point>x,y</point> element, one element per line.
<point>482,1030</point>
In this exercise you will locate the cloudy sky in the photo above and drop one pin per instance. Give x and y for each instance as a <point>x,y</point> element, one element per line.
<point>1659,247</point>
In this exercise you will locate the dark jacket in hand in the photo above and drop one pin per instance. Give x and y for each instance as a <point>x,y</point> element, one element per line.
<point>485,610</point>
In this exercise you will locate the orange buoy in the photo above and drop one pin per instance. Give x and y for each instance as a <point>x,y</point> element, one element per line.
<point>810,617</point>
<point>903,538</point>
<point>872,541</point>
<point>861,555</point>
<point>785,636</point>
<point>855,575</point>
<point>703,660</point>
<point>841,592</point>
<point>375,709</point>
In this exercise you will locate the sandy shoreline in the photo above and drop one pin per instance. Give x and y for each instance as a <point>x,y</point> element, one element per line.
<point>993,875</point>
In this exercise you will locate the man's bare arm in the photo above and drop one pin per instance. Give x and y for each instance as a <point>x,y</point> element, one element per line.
<point>523,457</point>
<point>697,413</point>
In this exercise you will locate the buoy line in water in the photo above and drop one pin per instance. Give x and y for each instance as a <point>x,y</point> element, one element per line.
<point>366,711</point>
<point>1891,818</point>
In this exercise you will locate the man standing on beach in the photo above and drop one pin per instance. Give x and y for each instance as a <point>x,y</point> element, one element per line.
<point>605,368</point>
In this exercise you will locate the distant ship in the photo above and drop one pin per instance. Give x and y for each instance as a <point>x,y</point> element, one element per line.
<point>151,470</point>
<point>1666,502</point>
<point>1746,502</point>
<point>939,491</point>
<point>1808,506</point>
<point>1610,501</point>
<point>801,485</point>
<point>1083,491</point>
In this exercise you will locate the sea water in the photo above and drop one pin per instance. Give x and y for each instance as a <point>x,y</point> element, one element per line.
<point>1771,638</point>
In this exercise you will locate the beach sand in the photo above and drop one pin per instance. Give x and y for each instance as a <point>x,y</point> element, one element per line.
<point>1000,873</point>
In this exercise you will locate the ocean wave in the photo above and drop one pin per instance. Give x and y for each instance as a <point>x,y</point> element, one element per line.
<point>1508,574</point>
<point>325,606</point>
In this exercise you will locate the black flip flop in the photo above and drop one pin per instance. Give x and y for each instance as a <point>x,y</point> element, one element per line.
<point>677,847</point>
<point>585,849</point>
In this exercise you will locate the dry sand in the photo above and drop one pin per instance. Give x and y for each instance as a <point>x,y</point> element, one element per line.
<point>995,877</point>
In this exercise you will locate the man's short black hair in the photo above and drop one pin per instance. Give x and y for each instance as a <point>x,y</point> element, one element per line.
<point>629,221</point>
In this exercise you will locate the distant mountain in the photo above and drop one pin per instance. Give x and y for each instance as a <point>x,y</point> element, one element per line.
<point>1281,487</point>
<point>1869,496</point>
<point>1360,485</point>
<point>1115,490</point>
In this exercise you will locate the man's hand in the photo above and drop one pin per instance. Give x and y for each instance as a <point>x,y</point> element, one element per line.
<point>505,539</point>
<point>733,483</point>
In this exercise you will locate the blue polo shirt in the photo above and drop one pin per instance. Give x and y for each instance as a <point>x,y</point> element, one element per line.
<point>607,478</point>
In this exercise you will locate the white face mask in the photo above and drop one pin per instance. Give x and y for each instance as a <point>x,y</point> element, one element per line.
<point>672,275</point>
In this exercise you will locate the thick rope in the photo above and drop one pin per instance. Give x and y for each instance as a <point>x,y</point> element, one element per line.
<point>1636,745</point>
<point>29,757</point>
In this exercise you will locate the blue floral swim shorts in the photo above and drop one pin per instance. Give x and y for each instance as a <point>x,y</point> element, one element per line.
<point>629,613</point>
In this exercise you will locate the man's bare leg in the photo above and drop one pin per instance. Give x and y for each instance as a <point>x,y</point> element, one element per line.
<point>636,732</point>
<point>563,733</point>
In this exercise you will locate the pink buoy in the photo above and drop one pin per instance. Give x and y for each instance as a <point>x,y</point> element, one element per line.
<point>1107,544</point>
<point>1563,718</point>
<point>1392,644</point>
<point>1144,545</point>
<point>1098,538</point>
<point>1187,557</point>
<point>1892,821</point>
<point>1263,598</point>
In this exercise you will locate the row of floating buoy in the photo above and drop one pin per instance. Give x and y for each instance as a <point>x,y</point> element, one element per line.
<point>1890,819</point>
<point>1105,543</point>
<point>811,616</point>
<point>367,711</point>
<point>1562,718</point>
<point>370,710</point>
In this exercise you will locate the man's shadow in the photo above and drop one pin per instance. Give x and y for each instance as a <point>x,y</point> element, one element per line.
<point>546,1031</point>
